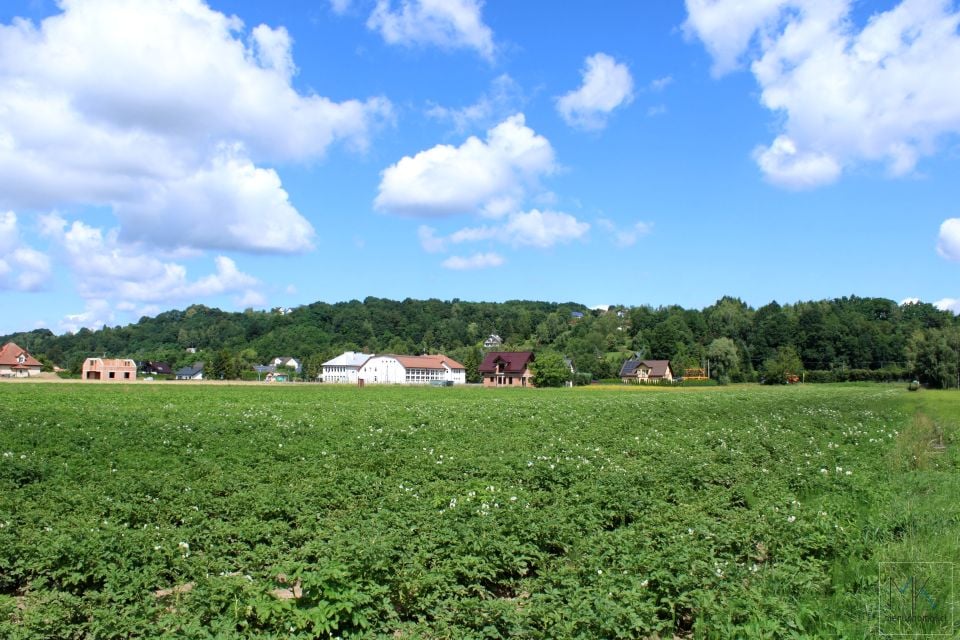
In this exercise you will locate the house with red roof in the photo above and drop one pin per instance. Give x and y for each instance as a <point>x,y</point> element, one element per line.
<point>394,369</point>
<point>15,362</point>
<point>507,369</point>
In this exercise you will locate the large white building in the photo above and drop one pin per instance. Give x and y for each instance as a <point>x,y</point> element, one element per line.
<point>344,368</point>
<point>391,369</point>
<point>351,367</point>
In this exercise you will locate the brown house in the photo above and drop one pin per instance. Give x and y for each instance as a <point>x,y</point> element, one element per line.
<point>15,362</point>
<point>507,369</point>
<point>109,370</point>
<point>646,371</point>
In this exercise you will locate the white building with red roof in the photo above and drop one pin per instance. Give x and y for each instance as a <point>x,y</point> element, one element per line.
<point>393,369</point>
<point>15,362</point>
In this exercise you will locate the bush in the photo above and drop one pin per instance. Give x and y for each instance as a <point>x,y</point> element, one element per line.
<point>887,374</point>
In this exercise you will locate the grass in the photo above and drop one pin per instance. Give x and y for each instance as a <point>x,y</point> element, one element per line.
<point>304,511</point>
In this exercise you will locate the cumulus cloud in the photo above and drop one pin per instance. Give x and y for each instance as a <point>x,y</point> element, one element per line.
<point>251,298</point>
<point>534,228</point>
<point>785,165</point>
<point>137,117</point>
<point>543,229</point>
<point>659,84</point>
<point>429,240</point>
<point>106,268</point>
<point>476,261</point>
<point>480,176</point>
<point>448,24</point>
<point>607,84</point>
<point>188,212</point>
<point>96,314</point>
<point>948,244</point>
<point>22,268</point>
<point>340,6</point>
<point>503,99</point>
<point>948,304</point>
<point>846,95</point>
<point>626,237</point>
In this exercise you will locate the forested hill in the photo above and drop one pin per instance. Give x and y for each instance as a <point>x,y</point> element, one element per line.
<point>833,335</point>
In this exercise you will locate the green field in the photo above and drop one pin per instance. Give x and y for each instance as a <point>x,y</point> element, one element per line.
<point>182,511</point>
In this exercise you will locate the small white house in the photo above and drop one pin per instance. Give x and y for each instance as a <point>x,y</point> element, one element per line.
<point>344,368</point>
<point>392,369</point>
<point>493,341</point>
<point>286,361</point>
<point>193,372</point>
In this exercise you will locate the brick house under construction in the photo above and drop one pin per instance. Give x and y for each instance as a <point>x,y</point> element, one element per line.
<point>109,370</point>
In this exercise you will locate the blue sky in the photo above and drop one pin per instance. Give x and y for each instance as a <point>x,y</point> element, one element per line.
<point>247,154</point>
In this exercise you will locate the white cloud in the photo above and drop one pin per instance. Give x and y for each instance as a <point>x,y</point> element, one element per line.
<point>626,237</point>
<point>948,304</point>
<point>909,301</point>
<point>251,298</point>
<point>112,103</point>
<point>476,261</point>
<point>108,269</point>
<point>503,99</point>
<point>9,233</point>
<point>476,177</point>
<point>659,84</point>
<point>448,24</point>
<point>845,95</point>
<point>727,27</point>
<point>340,7</point>
<point>96,314</point>
<point>429,240</point>
<point>273,48</point>
<point>784,165</point>
<point>948,244</point>
<point>188,212</point>
<point>543,229</point>
<point>534,228</point>
<point>607,84</point>
<point>22,268</point>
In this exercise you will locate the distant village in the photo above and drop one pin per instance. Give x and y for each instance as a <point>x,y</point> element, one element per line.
<point>512,369</point>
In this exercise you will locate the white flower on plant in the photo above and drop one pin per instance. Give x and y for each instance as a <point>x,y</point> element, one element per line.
<point>791,518</point>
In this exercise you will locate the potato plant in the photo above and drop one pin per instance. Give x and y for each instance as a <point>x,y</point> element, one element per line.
<point>314,512</point>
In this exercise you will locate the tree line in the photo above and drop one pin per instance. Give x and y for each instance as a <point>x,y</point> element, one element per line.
<point>850,338</point>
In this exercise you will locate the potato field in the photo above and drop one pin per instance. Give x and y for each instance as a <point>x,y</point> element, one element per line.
<point>172,510</point>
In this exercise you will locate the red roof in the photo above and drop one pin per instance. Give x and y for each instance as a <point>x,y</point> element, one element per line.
<point>428,362</point>
<point>513,361</point>
<point>10,353</point>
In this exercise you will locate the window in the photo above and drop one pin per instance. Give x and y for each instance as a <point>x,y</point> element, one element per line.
<point>126,375</point>
<point>112,374</point>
